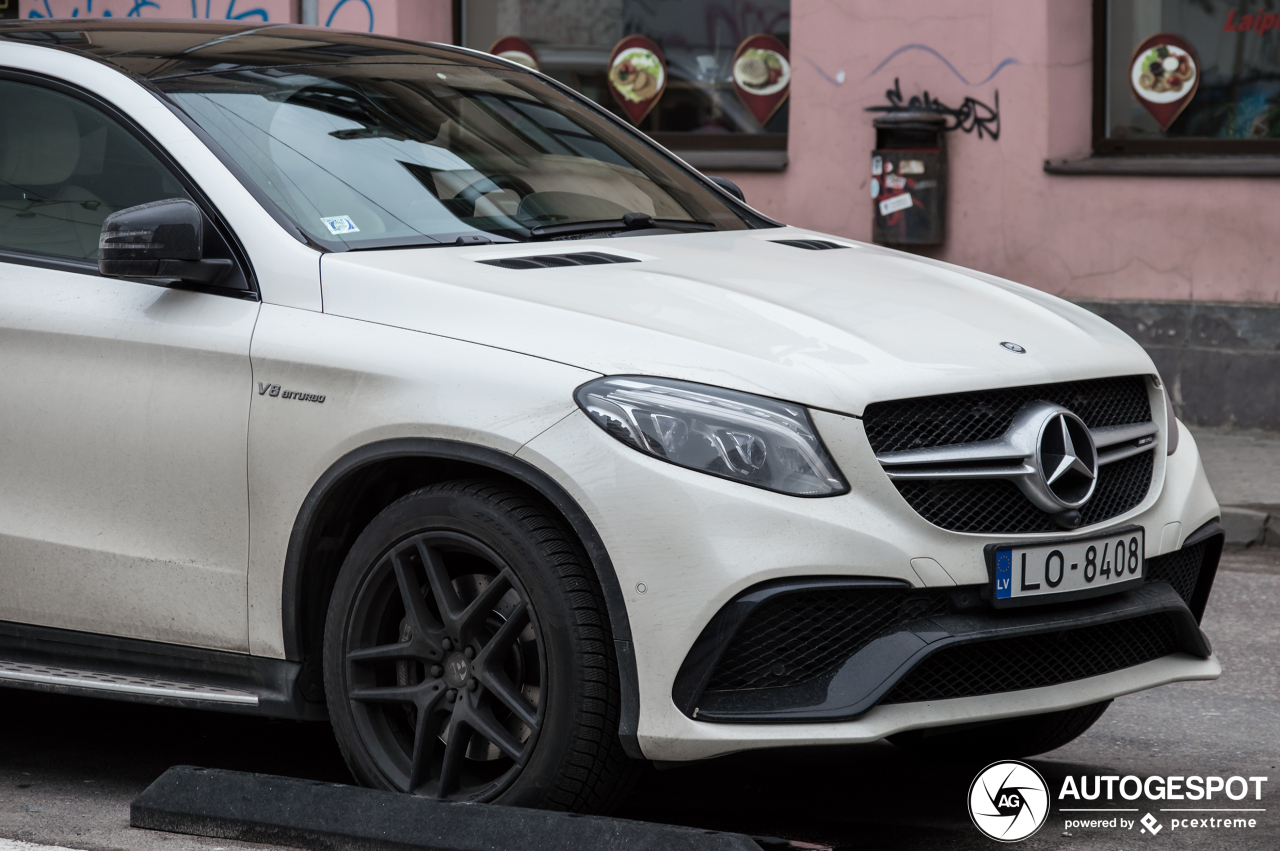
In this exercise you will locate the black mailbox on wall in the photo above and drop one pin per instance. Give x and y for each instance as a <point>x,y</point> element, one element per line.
<point>909,179</point>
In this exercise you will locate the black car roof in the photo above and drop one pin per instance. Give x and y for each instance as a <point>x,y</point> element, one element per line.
<point>155,50</point>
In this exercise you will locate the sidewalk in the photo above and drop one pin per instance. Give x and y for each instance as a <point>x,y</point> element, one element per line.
<point>1244,471</point>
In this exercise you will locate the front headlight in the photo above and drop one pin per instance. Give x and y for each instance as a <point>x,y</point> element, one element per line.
<point>749,439</point>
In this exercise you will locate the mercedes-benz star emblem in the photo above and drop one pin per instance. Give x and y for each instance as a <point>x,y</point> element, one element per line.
<point>1015,348</point>
<point>1067,460</point>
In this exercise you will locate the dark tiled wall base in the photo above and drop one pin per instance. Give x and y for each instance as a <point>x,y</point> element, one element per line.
<point>1222,360</point>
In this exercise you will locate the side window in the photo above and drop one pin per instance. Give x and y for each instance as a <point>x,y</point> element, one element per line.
<point>64,167</point>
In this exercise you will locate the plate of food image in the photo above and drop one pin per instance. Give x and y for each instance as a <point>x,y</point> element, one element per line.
<point>761,71</point>
<point>1163,73</point>
<point>637,74</point>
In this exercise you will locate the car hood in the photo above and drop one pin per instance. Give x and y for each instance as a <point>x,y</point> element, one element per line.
<point>834,329</point>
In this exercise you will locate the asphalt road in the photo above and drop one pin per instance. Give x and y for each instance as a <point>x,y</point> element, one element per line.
<point>70,766</point>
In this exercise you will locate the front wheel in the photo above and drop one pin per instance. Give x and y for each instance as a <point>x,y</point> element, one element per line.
<point>468,654</point>
<point>1009,739</point>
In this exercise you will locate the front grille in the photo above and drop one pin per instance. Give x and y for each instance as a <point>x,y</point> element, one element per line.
<point>1180,568</point>
<point>997,506</point>
<point>987,414</point>
<point>799,637</point>
<point>1035,661</point>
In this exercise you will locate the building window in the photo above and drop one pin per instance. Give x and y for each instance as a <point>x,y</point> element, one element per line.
<point>699,114</point>
<point>1206,79</point>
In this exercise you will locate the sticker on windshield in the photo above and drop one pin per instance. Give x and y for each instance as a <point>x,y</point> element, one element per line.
<point>339,224</point>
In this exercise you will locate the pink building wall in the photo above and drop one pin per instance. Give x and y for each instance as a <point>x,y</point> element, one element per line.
<point>1080,237</point>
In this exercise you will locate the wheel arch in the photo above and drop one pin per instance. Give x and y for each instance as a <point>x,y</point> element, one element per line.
<point>363,482</point>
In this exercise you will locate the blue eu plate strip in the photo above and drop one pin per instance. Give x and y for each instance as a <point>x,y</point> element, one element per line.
<point>1004,574</point>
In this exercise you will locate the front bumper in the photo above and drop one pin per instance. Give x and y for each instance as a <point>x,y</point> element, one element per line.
<point>684,545</point>
<point>943,654</point>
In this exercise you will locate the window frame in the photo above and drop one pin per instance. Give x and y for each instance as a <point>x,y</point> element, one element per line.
<point>126,122</point>
<point>1106,147</point>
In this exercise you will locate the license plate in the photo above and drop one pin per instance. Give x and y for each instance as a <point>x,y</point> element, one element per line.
<point>1057,571</point>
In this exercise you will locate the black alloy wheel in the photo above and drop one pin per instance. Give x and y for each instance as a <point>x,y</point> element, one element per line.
<point>445,666</point>
<point>442,675</point>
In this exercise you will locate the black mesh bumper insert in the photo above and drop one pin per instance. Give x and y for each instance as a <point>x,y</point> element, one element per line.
<point>799,637</point>
<point>1180,568</point>
<point>1035,661</point>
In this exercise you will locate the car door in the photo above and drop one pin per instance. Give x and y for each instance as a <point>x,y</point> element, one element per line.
<point>123,405</point>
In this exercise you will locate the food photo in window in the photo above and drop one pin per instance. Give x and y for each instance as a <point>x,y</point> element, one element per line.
<point>1216,61</point>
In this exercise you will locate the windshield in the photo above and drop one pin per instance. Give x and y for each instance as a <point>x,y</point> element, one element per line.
<point>381,154</point>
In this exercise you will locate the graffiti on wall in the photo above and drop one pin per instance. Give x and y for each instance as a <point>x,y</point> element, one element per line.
<point>908,48</point>
<point>349,15</point>
<point>230,10</point>
<point>971,116</point>
<point>344,14</point>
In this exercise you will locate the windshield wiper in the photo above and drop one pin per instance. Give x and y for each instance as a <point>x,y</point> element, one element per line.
<point>631,223</point>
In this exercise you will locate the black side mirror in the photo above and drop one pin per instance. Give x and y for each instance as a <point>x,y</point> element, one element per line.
<point>163,239</point>
<point>728,186</point>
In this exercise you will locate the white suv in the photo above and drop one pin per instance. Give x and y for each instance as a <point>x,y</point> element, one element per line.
<point>393,383</point>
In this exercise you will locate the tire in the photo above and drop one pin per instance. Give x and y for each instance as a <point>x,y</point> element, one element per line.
<point>1011,739</point>
<point>508,642</point>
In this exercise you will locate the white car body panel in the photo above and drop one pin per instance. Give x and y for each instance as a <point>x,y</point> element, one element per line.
<point>833,329</point>
<point>379,383</point>
<point>123,509</point>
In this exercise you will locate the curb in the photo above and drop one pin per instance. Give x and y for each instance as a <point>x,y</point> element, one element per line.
<point>1251,525</point>
<point>332,817</point>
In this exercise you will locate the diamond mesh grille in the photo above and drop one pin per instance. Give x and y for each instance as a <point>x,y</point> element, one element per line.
<point>1181,569</point>
<point>799,637</point>
<point>997,506</point>
<point>985,415</point>
<point>1034,661</point>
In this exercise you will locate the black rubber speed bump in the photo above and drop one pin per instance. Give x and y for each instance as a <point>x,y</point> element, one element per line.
<point>331,817</point>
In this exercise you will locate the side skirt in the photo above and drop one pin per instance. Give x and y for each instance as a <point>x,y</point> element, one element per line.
<point>90,665</point>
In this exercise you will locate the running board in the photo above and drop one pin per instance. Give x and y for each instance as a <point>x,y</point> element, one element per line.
<point>70,678</point>
<point>90,665</point>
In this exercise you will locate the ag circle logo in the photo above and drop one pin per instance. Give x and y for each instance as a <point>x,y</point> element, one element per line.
<point>1008,801</point>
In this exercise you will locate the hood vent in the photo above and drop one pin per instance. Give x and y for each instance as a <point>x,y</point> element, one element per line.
<point>551,261</point>
<point>810,244</point>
